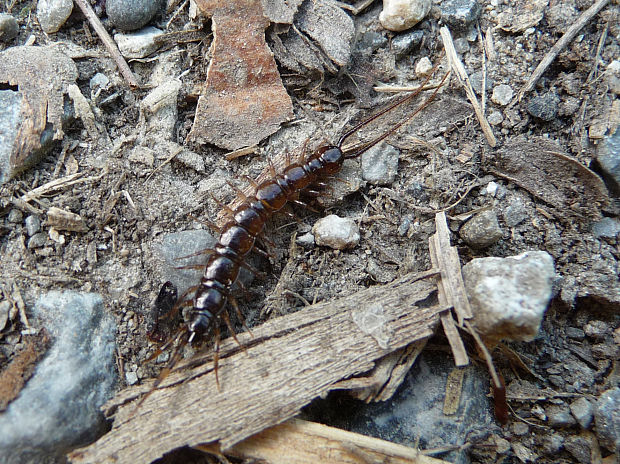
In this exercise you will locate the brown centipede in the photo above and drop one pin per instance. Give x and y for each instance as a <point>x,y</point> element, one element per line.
<point>246,222</point>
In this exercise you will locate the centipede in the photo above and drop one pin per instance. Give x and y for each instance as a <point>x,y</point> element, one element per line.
<point>207,301</point>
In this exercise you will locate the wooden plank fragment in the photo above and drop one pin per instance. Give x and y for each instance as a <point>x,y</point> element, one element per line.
<point>443,257</point>
<point>287,363</point>
<point>301,442</point>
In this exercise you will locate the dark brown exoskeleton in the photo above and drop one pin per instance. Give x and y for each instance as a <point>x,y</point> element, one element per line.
<point>238,236</point>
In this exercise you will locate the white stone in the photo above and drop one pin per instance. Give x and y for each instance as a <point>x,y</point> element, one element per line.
<point>52,14</point>
<point>400,15</point>
<point>509,295</point>
<point>336,232</point>
<point>423,67</point>
<point>502,94</point>
<point>138,44</point>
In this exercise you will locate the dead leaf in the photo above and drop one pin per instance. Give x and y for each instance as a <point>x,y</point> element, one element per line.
<point>243,100</point>
<point>539,166</point>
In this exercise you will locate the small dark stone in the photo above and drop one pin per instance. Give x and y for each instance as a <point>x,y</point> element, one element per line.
<point>371,41</point>
<point>129,15</point>
<point>579,447</point>
<point>482,230</point>
<point>575,333</point>
<point>37,240</point>
<point>560,416</point>
<point>544,107</point>
<point>8,27</point>
<point>476,82</point>
<point>404,44</point>
<point>460,13</point>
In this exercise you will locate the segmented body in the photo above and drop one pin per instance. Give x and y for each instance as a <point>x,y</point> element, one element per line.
<point>238,236</point>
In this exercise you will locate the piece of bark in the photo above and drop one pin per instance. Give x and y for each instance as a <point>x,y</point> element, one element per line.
<point>288,362</point>
<point>539,165</point>
<point>20,369</point>
<point>243,100</point>
<point>450,287</point>
<point>301,442</point>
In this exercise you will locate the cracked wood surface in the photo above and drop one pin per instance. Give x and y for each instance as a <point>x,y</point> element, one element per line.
<point>288,362</point>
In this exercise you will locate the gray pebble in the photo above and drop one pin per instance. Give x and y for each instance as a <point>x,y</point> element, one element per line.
<point>553,443</point>
<point>515,213</point>
<point>559,416</point>
<point>607,419</point>
<point>502,94</point>
<point>5,307</point>
<point>476,82</point>
<point>129,15</point>
<point>306,240</point>
<point>15,216</point>
<point>579,447</point>
<point>99,82</point>
<point>8,27</point>
<point>460,13</point>
<point>33,225</point>
<point>495,118</point>
<point>59,406</point>
<point>131,378</point>
<point>598,330</point>
<point>336,232</point>
<point>52,14</point>
<point>10,120</point>
<point>37,240</point>
<point>606,228</point>
<point>544,107</point>
<point>380,164</point>
<point>404,44</point>
<point>461,45</point>
<point>583,411</point>
<point>370,41</point>
<point>482,230</point>
<point>608,157</point>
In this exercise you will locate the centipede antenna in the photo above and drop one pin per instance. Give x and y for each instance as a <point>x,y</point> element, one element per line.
<point>357,150</point>
<point>182,339</point>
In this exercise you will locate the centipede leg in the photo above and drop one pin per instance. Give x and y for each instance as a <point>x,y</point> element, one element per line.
<point>223,206</point>
<point>216,357</point>
<point>251,181</point>
<point>208,223</point>
<point>226,318</point>
<point>240,193</point>
<point>234,304</point>
<point>206,251</point>
<point>253,270</point>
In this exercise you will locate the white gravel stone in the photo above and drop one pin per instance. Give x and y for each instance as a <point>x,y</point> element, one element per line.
<point>502,94</point>
<point>380,164</point>
<point>399,15</point>
<point>509,295</point>
<point>336,232</point>
<point>52,14</point>
<point>138,44</point>
<point>423,67</point>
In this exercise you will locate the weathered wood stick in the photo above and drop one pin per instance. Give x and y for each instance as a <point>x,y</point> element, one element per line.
<point>290,361</point>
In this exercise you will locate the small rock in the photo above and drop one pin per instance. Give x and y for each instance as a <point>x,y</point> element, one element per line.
<point>461,45</point>
<point>495,118</point>
<point>305,240</point>
<point>544,107</point>
<point>399,15</point>
<point>8,27</point>
<point>423,67</point>
<point>482,230</point>
<point>515,213</point>
<point>336,232</point>
<point>131,378</point>
<point>502,94</point>
<point>129,15</point>
<point>5,307</point>
<point>575,333</point>
<point>15,216</point>
<point>509,295</point>
<point>552,443</point>
<point>580,448</point>
<point>476,82</point>
<point>138,44</point>
<point>379,164</point>
<point>52,14</point>
<point>37,240</point>
<point>559,416</point>
<point>608,157</point>
<point>59,406</point>
<point>33,225</point>
<point>460,13</point>
<point>561,16</point>
<point>606,228</point>
<point>598,330</point>
<point>607,419</point>
<point>583,411</point>
<point>404,44</point>
<point>491,189</point>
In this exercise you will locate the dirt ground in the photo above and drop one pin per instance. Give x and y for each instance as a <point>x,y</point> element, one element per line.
<point>129,205</point>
